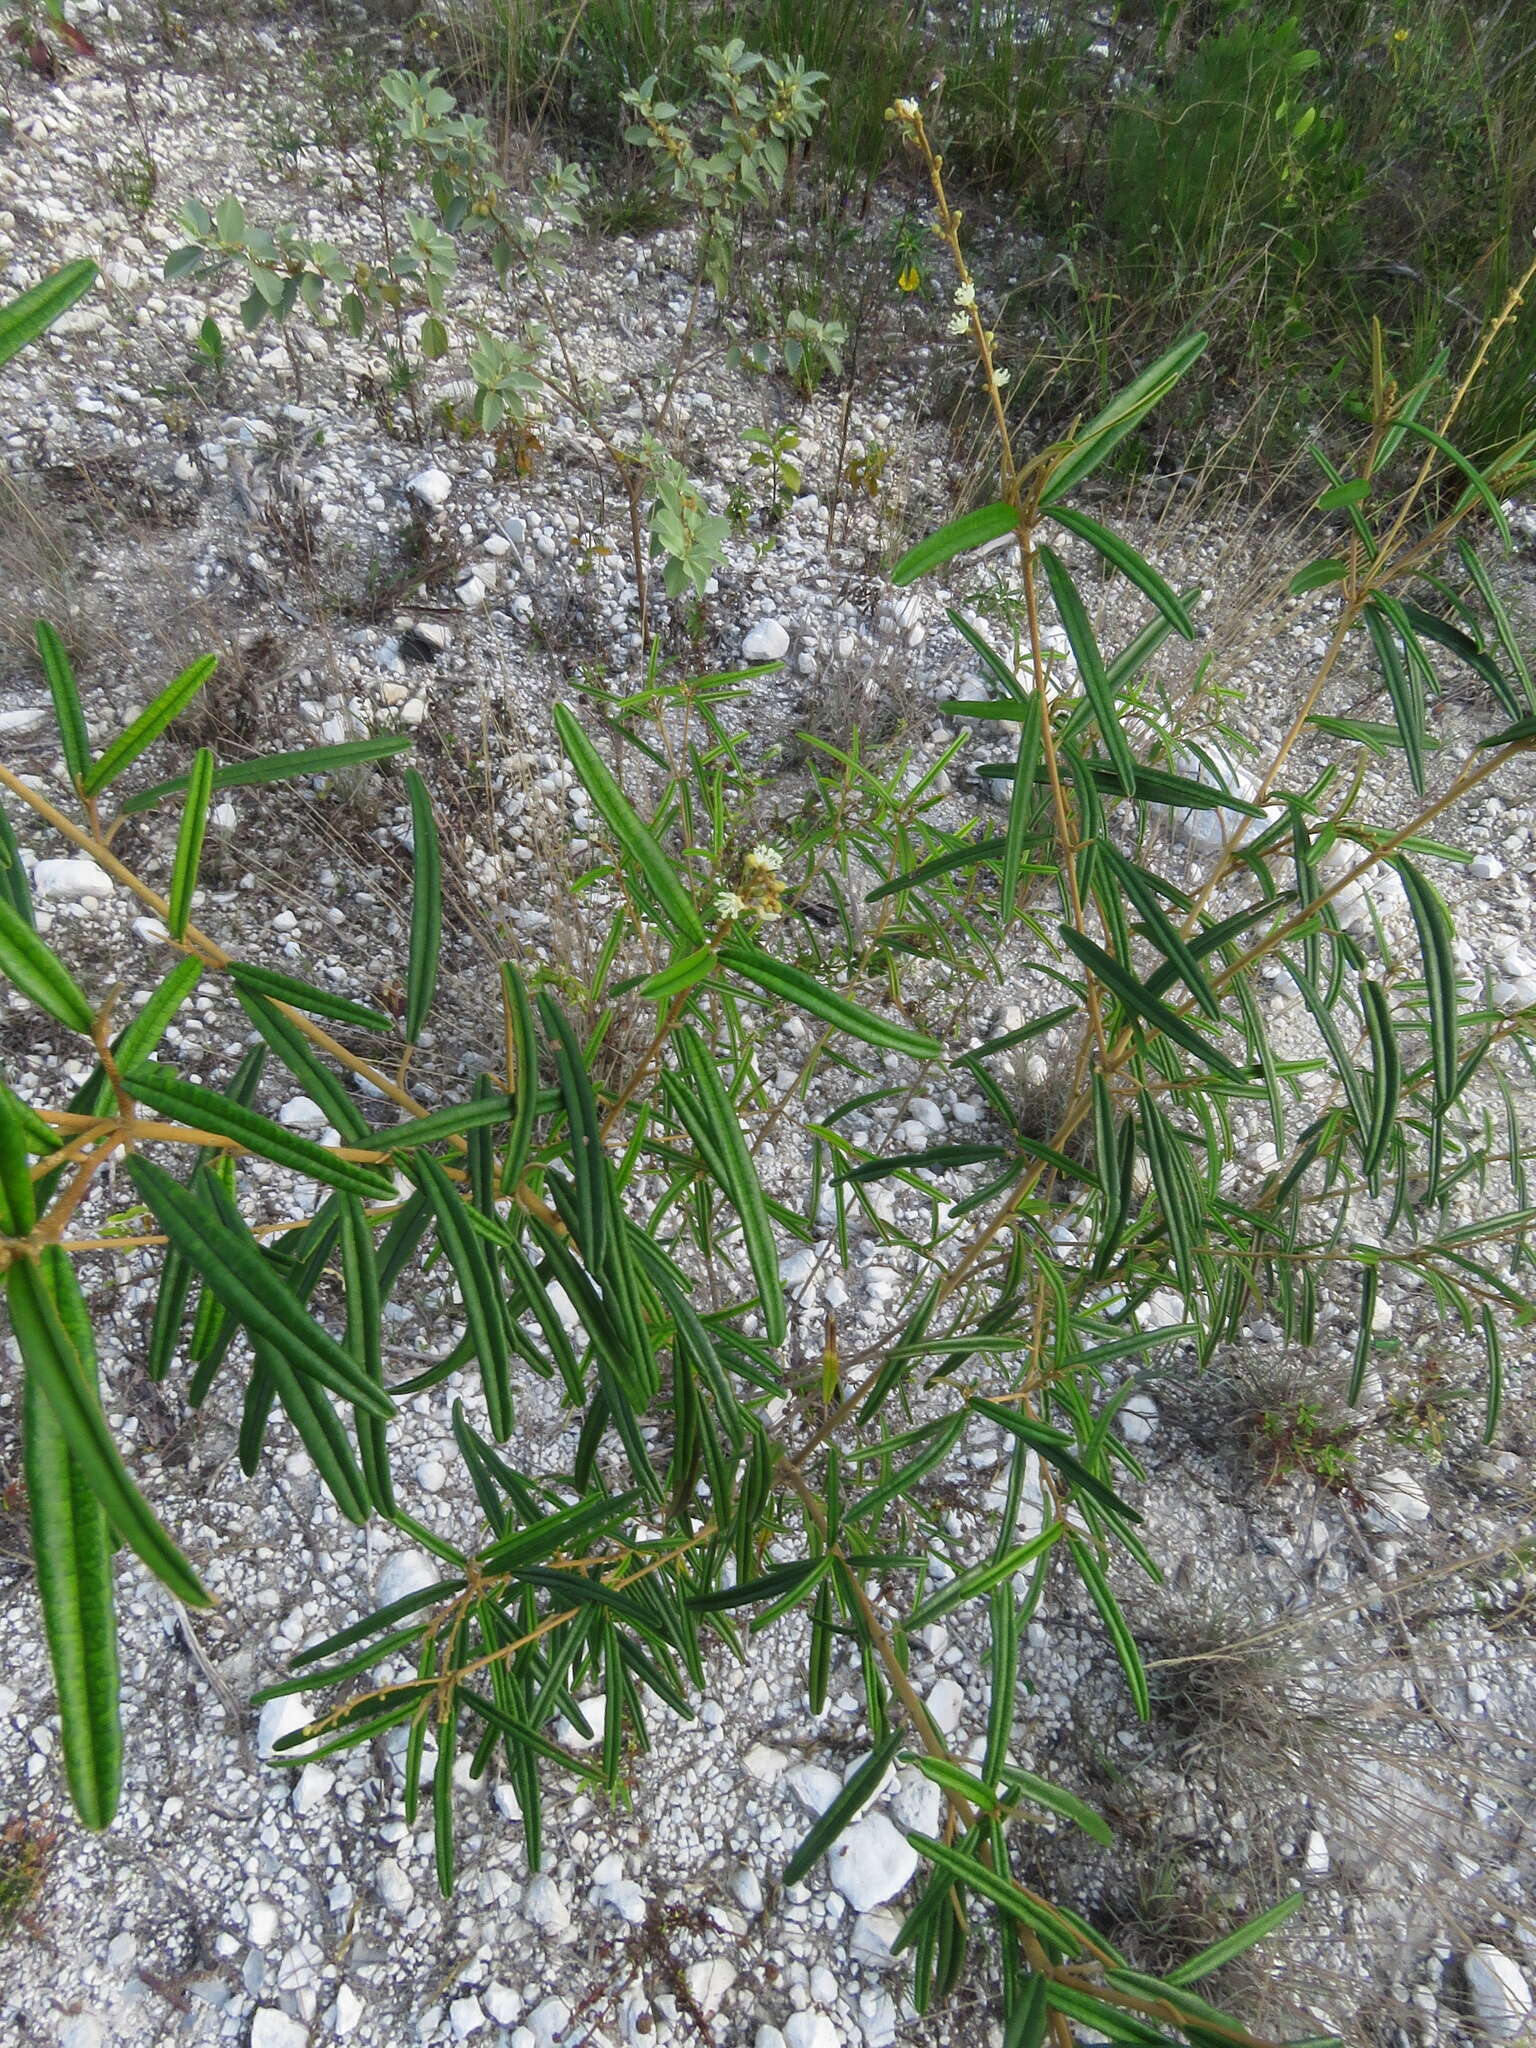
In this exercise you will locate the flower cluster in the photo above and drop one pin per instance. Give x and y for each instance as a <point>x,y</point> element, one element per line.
<point>759,892</point>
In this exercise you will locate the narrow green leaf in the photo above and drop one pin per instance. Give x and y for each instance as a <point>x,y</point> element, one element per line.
<point>1477,486</point>
<point>23,319</point>
<point>1122,556</point>
<point>74,739</point>
<point>299,1057</point>
<point>360,1284</point>
<point>1000,1890</point>
<point>1053,1797</point>
<point>1122,984</point>
<point>1090,666</point>
<point>1238,1941</point>
<point>72,1557</point>
<point>477,1288</point>
<point>1318,575</point>
<point>711,1120</point>
<point>278,768</point>
<point>1386,1076</point>
<point>1433,925</point>
<point>1052,1447</point>
<point>205,1109</point>
<point>18,1202</point>
<point>1021,802</point>
<point>13,876</point>
<point>426,908</point>
<point>790,985</point>
<point>1092,1574</point>
<point>149,725</point>
<point>981,1578</point>
<point>302,995</point>
<point>234,1269</point>
<point>970,530</point>
<point>321,1432</point>
<point>1094,443</point>
<point>679,976</point>
<point>1403,689</point>
<point>1160,928</point>
<point>844,1809</point>
<point>1493,1352</point>
<point>523,1080</point>
<point>972,853</point>
<point>189,843</point>
<point>636,843</point>
<point>52,1361</point>
<point>37,971</point>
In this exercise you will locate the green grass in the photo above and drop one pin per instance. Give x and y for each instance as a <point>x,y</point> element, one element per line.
<point>1277,177</point>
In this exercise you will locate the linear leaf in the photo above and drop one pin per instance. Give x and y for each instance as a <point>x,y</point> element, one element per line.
<point>234,1269</point>
<point>1000,1890</point>
<point>1092,1574</point>
<point>1433,925</point>
<point>477,1287</point>
<point>298,1056</point>
<point>72,1556</point>
<point>970,530</point>
<point>790,985</point>
<point>13,876</point>
<point>426,907</point>
<point>189,844</point>
<point>712,1123</point>
<point>38,972</point>
<point>1090,666</point>
<point>1122,984</point>
<point>74,739</point>
<point>24,318</point>
<point>149,724</point>
<point>51,1359</point>
<point>1160,928</point>
<point>278,768</point>
<point>204,1109</point>
<point>1094,443</point>
<point>1403,688</point>
<point>636,842</point>
<point>861,1786</point>
<point>302,995</point>
<point>1234,1944</point>
<point>1122,556</point>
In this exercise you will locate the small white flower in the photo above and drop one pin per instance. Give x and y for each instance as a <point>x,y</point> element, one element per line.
<point>959,323</point>
<point>729,904</point>
<point>766,857</point>
<point>1000,376</point>
<point>965,294</point>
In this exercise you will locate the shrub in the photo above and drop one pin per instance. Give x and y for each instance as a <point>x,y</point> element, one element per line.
<point>607,1229</point>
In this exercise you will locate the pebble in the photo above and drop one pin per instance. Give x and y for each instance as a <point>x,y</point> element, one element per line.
<point>431,487</point>
<point>1138,1419</point>
<point>946,1704</point>
<point>403,1573</point>
<point>1501,1996</point>
<point>810,2030</point>
<point>766,641</point>
<point>299,1113</point>
<point>708,1983</point>
<point>1397,1500</point>
<point>544,1907</point>
<point>274,2029</point>
<point>70,879</point>
<point>871,1863</point>
<point>281,1717</point>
